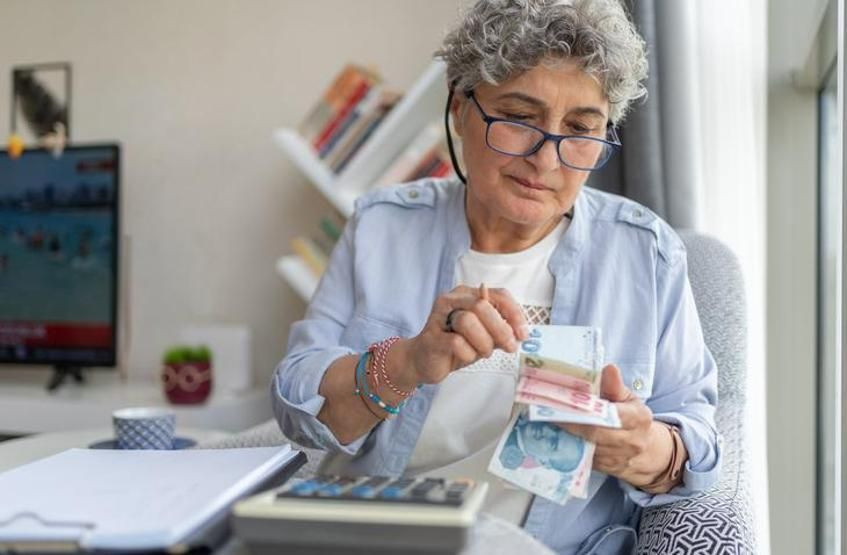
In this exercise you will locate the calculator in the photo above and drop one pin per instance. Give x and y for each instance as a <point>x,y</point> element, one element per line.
<point>335,514</point>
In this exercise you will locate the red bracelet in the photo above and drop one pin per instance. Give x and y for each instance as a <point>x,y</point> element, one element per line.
<point>379,352</point>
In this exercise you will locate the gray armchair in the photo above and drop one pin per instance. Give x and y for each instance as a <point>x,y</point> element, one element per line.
<point>720,520</point>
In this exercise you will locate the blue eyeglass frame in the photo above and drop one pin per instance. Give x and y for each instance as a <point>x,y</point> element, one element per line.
<point>615,143</point>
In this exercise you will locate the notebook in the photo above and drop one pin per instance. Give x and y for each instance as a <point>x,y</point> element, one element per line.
<point>113,500</point>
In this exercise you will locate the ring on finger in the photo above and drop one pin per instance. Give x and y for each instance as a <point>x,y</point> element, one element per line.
<point>449,322</point>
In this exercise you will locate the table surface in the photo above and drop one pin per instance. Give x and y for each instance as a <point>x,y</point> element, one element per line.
<point>15,452</point>
<point>489,536</point>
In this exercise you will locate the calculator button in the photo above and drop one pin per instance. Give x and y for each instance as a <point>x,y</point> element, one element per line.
<point>368,488</point>
<point>391,493</point>
<point>458,488</point>
<point>394,490</point>
<point>331,490</point>
<point>306,487</point>
<point>423,489</point>
<point>376,482</point>
<point>361,491</point>
<point>335,487</point>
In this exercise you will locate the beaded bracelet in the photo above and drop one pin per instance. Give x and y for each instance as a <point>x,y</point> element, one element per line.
<point>370,410</point>
<point>362,388</point>
<point>379,352</point>
<point>364,401</point>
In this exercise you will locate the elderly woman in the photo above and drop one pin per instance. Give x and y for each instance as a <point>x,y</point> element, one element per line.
<point>536,88</point>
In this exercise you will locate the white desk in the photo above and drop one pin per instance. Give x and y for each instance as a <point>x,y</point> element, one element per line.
<point>15,452</point>
<point>27,408</point>
<point>490,536</point>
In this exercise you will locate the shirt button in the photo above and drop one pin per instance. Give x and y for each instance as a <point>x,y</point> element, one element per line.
<point>637,213</point>
<point>637,384</point>
<point>413,193</point>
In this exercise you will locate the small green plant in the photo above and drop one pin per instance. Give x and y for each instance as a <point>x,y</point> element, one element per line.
<point>179,354</point>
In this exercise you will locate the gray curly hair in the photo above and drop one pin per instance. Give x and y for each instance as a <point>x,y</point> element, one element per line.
<point>500,39</point>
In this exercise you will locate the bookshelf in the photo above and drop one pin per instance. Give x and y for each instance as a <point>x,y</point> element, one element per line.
<point>422,104</point>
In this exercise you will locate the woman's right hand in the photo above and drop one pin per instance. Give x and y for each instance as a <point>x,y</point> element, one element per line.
<point>480,323</point>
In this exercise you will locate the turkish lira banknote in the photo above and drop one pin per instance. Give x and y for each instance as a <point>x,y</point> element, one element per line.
<point>560,369</point>
<point>545,413</point>
<point>571,356</point>
<point>543,459</point>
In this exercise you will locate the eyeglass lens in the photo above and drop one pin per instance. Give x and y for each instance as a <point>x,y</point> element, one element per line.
<point>521,140</point>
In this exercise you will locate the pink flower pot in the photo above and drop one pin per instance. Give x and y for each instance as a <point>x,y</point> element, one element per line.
<point>187,383</point>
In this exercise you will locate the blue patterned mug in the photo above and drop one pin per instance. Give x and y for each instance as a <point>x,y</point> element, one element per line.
<point>144,428</point>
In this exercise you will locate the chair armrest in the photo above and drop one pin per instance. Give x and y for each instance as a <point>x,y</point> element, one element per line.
<point>268,434</point>
<point>717,521</point>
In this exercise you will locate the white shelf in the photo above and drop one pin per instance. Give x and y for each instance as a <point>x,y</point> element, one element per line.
<point>298,275</point>
<point>26,407</point>
<point>302,154</point>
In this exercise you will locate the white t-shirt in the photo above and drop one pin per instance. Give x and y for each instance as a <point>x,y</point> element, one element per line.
<point>474,404</point>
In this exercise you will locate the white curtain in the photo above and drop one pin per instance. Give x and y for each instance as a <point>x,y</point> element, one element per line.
<point>731,56</point>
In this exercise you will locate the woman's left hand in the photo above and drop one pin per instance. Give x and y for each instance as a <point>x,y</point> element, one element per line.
<point>640,449</point>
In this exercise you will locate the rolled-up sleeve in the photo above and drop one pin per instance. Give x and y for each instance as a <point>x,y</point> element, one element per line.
<point>685,383</point>
<point>314,343</point>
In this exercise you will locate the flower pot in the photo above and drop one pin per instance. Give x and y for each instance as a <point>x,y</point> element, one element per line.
<point>187,383</point>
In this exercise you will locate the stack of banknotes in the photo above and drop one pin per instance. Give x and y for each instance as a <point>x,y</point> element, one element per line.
<point>559,373</point>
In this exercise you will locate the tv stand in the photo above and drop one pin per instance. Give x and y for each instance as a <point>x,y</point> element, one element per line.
<point>61,372</point>
<point>26,407</point>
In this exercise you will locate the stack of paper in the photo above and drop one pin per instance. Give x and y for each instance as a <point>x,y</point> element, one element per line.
<point>131,500</point>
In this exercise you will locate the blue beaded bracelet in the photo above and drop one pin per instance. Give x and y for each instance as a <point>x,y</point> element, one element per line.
<point>362,387</point>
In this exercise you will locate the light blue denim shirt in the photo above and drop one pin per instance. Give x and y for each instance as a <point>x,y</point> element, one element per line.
<point>618,267</point>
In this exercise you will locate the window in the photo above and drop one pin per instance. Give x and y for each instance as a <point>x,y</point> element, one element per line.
<point>829,318</point>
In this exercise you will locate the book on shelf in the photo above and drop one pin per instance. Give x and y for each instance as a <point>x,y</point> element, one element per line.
<point>331,228</point>
<point>342,119</point>
<point>346,90</point>
<point>369,118</point>
<point>350,116</point>
<point>425,156</point>
<point>310,253</point>
<point>330,102</point>
<point>347,114</point>
<point>329,232</point>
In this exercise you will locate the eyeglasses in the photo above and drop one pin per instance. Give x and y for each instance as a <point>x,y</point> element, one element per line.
<point>514,138</point>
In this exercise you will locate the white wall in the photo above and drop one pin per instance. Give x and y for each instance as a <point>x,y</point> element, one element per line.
<point>193,89</point>
<point>791,209</point>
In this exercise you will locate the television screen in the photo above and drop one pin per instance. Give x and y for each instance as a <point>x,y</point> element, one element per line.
<point>59,256</point>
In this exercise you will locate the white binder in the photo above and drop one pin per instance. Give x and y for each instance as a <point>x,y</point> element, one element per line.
<point>132,500</point>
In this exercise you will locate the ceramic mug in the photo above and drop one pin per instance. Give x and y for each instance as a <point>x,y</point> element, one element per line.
<point>144,428</point>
